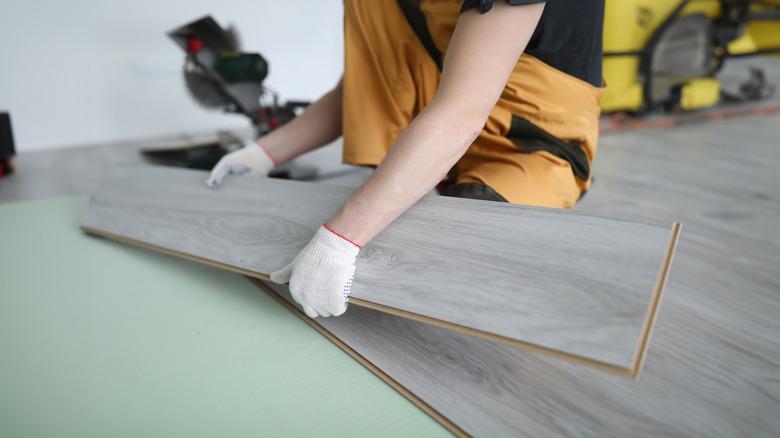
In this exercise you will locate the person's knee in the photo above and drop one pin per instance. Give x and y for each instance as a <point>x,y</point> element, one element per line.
<point>473,191</point>
<point>532,181</point>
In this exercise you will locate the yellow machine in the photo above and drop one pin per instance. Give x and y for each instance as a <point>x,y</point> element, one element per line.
<point>665,53</point>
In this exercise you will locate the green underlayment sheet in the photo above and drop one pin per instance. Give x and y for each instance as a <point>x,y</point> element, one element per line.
<point>104,339</point>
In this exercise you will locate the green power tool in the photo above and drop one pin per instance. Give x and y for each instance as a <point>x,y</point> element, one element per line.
<point>235,67</point>
<point>221,76</point>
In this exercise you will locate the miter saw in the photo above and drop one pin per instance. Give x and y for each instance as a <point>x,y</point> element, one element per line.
<point>220,76</point>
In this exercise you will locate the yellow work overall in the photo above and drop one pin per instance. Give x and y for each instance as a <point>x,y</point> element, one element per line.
<point>544,121</point>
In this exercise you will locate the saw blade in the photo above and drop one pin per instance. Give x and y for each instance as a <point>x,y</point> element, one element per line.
<point>205,90</point>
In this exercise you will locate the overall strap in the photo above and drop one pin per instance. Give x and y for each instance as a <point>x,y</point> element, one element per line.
<point>416,19</point>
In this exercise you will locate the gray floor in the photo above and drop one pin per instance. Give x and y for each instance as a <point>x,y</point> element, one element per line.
<point>713,368</point>
<point>78,169</point>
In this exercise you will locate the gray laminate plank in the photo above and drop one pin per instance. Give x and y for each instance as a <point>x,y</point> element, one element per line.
<point>563,281</point>
<point>66,171</point>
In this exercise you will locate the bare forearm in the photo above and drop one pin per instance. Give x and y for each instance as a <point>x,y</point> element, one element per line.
<point>319,125</point>
<point>420,158</point>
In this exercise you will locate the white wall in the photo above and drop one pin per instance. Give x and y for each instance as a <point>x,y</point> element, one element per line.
<point>84,71</point>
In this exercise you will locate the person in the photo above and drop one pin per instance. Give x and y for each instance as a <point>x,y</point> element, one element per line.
<point>509,114</point>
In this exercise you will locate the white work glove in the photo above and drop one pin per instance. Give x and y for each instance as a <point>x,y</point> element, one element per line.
<point>252,159</point>
<point>321,274</point>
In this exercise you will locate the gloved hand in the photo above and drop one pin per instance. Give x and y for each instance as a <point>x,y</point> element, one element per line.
<point>252,159</point>
<point>321,274</point>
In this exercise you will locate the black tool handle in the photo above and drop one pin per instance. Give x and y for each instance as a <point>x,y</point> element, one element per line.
<point>6,136</point>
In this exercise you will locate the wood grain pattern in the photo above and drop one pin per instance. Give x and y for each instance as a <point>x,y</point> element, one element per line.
<point>580,287</point>
<point>715,360</point>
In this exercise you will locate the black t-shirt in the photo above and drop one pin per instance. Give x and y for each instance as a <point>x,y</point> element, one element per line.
<point>568,36</point>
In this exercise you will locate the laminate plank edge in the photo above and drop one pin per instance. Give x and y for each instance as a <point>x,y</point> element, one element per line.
<point>655,302</point>
<point>641,351</point>
<point>420,403</point>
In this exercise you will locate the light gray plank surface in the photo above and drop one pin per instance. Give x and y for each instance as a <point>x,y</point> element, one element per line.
<point>713,368</point>
<point>66,171</point>
<point>563,281</point>
<point>78,169</point>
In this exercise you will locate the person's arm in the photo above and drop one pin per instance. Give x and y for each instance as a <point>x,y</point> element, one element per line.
<point>482,53</point>
<point>317,126</point>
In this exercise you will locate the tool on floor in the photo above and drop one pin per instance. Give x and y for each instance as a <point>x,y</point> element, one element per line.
<point>220,76</point>
<point>7,150</point>
<point>194,152</point>
<point>665,54</point>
